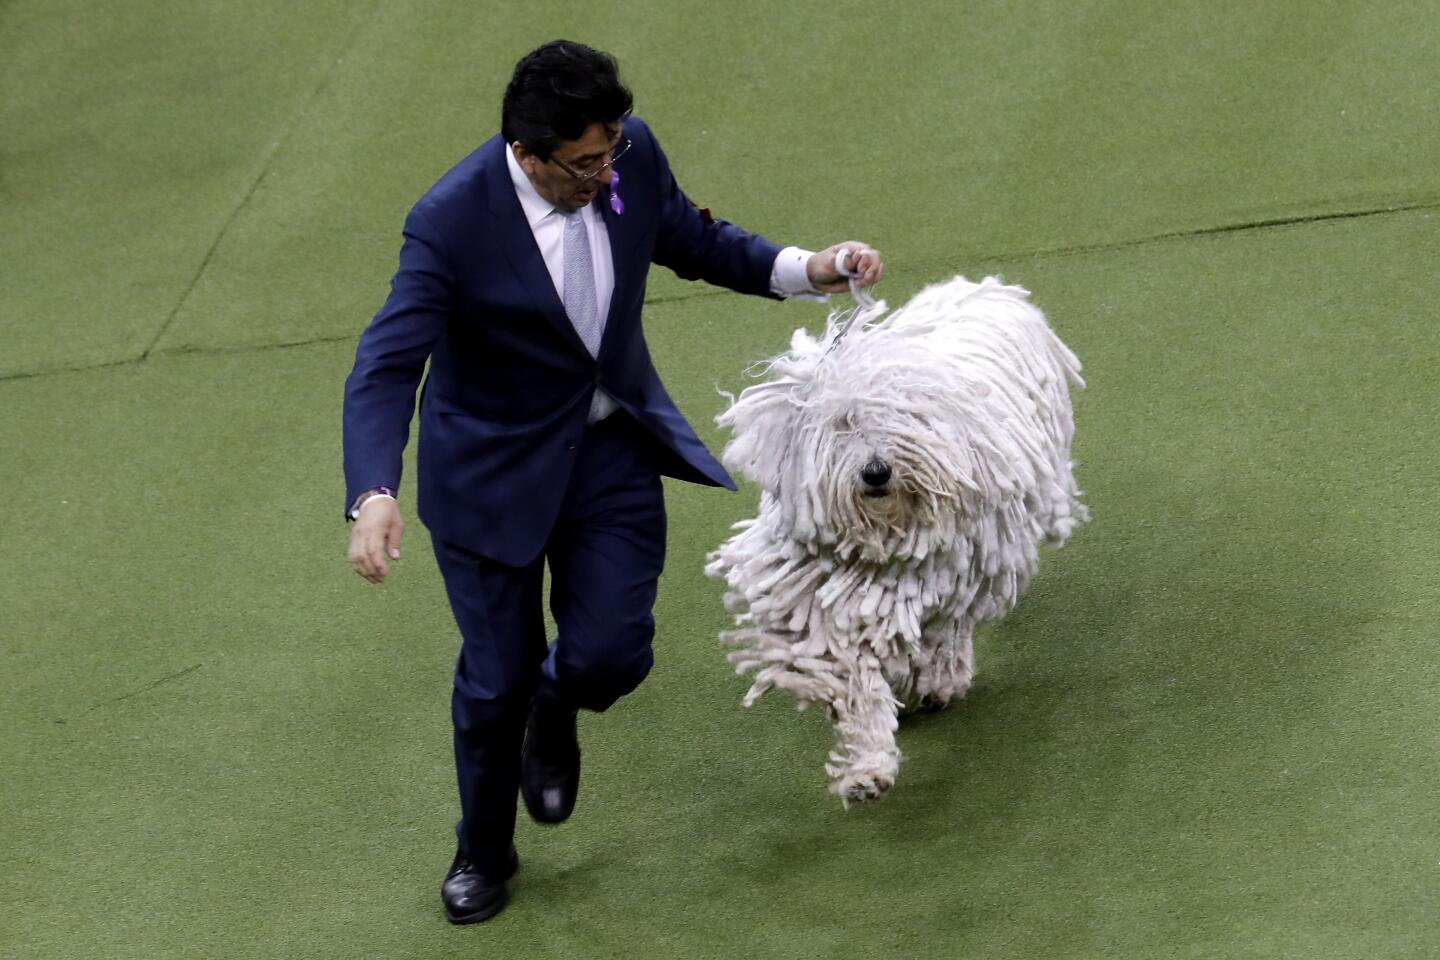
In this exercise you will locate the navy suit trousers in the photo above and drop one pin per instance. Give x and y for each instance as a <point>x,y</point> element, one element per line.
<point>605,555</point>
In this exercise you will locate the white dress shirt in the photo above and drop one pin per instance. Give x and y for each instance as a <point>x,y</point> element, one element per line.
<point>787,277</point>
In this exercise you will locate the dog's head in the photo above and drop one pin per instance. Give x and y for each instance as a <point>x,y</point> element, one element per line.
<point>874,443</point>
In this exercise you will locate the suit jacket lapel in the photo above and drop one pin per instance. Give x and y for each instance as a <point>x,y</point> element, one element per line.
<point>518,242</point>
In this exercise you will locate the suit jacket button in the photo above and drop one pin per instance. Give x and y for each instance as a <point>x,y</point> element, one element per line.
<point>570,445</point>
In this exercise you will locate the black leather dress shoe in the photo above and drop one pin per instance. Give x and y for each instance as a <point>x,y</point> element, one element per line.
<point>470,897</point>
<point>550,765</point>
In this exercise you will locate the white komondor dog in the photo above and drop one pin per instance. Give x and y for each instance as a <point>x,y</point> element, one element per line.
<point>910,466</point>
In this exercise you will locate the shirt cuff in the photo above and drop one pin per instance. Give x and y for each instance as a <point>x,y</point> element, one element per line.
<point>788,277</point>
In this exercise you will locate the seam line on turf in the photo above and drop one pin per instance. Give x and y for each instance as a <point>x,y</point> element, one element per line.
<point>134,693</point>
<point>1242,227</point>
<point>1429,203</point>
<point>265,164</point>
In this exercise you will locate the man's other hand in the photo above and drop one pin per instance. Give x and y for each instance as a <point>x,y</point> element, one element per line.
<point>863,263</point>
<point>375,536</point>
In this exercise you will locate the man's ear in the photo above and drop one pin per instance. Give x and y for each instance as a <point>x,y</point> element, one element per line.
<point>527,160</point>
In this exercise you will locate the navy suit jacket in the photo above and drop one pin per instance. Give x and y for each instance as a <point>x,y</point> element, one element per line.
<point>504,405</point>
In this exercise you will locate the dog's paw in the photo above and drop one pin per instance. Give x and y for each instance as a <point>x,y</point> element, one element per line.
<point>930,703</point>
<point>938,696</point>
<point>863,783</point>
<point>864,788</point>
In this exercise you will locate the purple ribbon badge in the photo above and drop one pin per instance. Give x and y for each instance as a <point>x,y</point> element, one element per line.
<point>616,203</point>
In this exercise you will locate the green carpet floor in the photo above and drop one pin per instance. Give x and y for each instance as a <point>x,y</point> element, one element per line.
<point>1212,728</point>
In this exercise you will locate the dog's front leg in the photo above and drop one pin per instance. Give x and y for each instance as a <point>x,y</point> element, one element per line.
<point>949,667</point>
<point>865,760</point>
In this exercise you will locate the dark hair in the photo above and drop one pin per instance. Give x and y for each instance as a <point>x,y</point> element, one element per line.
<point>558,90</point>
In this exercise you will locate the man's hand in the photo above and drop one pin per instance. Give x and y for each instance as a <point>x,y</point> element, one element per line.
<point>863,263</point>
<point>375,535</point>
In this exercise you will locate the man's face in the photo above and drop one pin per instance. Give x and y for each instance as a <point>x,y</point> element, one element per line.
<point>558,186</point>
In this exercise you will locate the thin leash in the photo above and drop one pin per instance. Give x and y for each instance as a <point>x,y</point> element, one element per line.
<point>863,299</point>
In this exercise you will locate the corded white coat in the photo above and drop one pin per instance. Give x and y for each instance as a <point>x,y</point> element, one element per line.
<point>864,598</point>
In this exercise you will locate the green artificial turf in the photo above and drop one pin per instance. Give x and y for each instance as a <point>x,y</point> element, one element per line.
<point>1210,728</point>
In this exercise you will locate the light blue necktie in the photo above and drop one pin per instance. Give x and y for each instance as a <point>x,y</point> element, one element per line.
<point>580,303</point>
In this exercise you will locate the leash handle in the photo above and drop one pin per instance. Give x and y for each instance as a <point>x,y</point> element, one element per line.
<point>861,294</point>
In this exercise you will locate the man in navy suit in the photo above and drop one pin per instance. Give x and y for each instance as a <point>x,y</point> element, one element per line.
<point>544,428</point>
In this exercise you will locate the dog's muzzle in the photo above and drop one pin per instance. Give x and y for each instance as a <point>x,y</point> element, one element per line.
<point>876,475</point>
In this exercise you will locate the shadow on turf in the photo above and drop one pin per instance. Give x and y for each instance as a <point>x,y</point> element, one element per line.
<point>1147,687</point>
<point>1141,698</point>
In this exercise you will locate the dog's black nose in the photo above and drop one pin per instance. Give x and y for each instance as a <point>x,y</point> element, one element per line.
<point>876,473</point>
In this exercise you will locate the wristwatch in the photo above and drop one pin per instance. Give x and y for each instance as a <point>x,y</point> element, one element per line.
<point>373,492</point>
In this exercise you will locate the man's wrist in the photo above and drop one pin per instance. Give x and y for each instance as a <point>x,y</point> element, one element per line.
<point>387,492</point>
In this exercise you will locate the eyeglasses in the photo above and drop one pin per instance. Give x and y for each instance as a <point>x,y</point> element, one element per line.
<point>616,152</point>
